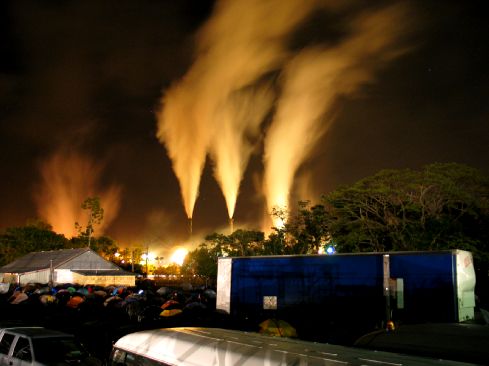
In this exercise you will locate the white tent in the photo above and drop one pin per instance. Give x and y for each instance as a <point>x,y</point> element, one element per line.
<point>78,266</point>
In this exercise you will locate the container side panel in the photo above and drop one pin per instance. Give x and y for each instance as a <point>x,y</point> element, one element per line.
<point>429,293</point>
<point>312,292</point>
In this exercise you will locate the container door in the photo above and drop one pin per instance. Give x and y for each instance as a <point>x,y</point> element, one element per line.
<point>465,286</point>
<point>224,273</point>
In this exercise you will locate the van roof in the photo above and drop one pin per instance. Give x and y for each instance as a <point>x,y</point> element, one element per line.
<point>214,346</point>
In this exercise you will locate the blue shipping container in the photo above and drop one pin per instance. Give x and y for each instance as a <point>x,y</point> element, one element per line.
<point>349,290</point>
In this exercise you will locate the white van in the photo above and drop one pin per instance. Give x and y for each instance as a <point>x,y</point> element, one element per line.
<point>222,347</point>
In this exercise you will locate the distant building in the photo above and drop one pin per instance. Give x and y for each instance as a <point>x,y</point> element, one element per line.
<point>78,266</point>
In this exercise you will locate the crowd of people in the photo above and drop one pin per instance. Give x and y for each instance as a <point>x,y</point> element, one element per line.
<point>98,315</point>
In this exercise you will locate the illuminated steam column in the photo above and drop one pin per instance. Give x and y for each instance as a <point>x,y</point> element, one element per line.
<point>231,225</point>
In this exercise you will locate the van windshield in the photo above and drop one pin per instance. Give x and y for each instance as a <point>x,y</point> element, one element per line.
<point>58,349</point>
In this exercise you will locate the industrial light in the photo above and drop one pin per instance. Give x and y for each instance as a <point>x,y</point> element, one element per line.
<point>330,249</point>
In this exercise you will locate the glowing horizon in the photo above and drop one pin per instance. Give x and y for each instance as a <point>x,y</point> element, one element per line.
<point>178,256</point>
<point>67,179</point>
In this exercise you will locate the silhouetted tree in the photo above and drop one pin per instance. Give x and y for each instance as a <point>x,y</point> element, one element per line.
<point>201,261</point>
<point>442,206</point>
<point>96,215</point>
<point>307,230</point>
<point>34,237</point>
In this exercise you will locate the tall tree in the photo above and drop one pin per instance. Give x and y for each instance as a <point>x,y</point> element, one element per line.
<point>96,215</point>
<point>274,244</point>
<point>246,243</point>
<point>374,213</point>
<point>307,230</point>
<point>201,261</point>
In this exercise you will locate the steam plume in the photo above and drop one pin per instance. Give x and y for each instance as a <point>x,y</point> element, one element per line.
<point>240,120</point>
<point>67,179</point>
<point>242,41</point>
<point>312,82</point>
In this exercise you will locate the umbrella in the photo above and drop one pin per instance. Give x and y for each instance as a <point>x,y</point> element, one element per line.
<point>63,295</point>
<point>277,327</point>
<point>118,291</point>
<point>43,290</point>
<point>171,304</point>
<point>4,287</point>
<point>132,298</point>
<point>211,294</point>
<point>163,291</point>
<point>100,293</point>
<point>150,312</point>
<point>187,286</point>
<point>112,300</point>
<point>170,312</point>
<point>75,301</point>
<point>30,287</point>
<point>83,291</point>
<point>107,289</point>
<point>47,299</point>
<point>195,309</point>
<point>19,298</point>
<point>195,305</point>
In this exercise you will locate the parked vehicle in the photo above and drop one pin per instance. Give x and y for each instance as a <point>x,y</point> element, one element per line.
<point>38,346</point>
<point>224,347</point>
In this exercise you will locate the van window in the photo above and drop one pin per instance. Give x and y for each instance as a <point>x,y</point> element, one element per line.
<point>121,358</point>
<point>58,349</point>
<point>22,350</point>
<point>6,342</point>
<point>118,357</point>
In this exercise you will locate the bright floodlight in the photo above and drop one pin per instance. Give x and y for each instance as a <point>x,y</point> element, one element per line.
<point>178,256</point>
<point>330,250</point>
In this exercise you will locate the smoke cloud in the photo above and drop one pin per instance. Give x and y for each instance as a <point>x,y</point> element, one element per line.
<point>240,119</point>
<point>67,179</point>
<point>311,84</point>
<point>203,113</point>
<point>219,106</point>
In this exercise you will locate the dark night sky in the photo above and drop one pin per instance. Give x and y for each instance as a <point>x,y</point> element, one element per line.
<point>87,76</point>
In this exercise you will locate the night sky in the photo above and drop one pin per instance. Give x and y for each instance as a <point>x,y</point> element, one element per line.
<point>81,83</point>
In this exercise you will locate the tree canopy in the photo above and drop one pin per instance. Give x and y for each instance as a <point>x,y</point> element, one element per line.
<point>33,237</point>
<point>38,236</point>
<point>442,206</point>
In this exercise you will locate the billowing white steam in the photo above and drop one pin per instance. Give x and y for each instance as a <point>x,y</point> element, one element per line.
<point>312,82</point>
<point>67,179</point>
<point>240,121</point>
<point>242,41</point>
<point>218,107</point>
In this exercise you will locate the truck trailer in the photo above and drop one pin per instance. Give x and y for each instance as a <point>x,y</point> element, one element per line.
<point>347,295</point>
